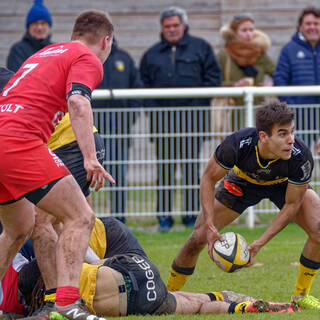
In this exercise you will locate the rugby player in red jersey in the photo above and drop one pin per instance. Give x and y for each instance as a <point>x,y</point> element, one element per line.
<point>57,79</point>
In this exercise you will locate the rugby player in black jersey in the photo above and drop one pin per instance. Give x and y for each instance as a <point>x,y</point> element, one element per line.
<point>266,162</point>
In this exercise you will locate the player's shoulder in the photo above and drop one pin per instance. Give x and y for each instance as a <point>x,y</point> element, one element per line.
<point>72,48</point>
<point>301,163</point>
<point>300,150</point>
<point>244,137</point>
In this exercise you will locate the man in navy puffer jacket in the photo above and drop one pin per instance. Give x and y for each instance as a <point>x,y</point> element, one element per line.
<point>299,65</point>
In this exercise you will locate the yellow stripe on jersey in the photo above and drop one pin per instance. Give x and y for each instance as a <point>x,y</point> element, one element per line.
<point>63,134</point>
<point>258,159</point>
<point>298,185</point>
<point>98,239</point>
<point>244,176</point>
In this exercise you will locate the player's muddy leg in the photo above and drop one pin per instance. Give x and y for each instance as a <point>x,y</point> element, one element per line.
<point>186,259</point>
<point>44,239</point>
<point>17,221</point>
<point>78,220</point>
<point>308,218</point>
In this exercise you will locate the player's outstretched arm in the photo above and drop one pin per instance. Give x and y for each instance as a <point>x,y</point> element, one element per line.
<point>82,122</point>
<point>294,197</point>
<point>212,174</point>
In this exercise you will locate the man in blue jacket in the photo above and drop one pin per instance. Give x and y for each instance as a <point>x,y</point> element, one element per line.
<point>299,64</point>
<point>178,60</point>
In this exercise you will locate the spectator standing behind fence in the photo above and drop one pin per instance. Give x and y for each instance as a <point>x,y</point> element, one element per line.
<point>243,60</point>
<point>120,72</point>
<point>178,60</point>
<point>37,36</point>
<point>299,64</point>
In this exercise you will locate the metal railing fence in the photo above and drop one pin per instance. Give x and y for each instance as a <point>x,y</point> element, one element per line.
<point>157,155</point>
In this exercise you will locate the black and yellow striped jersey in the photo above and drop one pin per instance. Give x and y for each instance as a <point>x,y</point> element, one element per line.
<point>239,152</point>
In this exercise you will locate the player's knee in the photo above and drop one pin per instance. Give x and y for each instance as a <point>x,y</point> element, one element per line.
<point>314,234</point>
<point>86,219</point>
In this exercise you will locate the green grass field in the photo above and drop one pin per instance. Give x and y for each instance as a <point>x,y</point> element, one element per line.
<point>273,278</point>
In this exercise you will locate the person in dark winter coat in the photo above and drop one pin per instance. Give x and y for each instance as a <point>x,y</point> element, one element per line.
<point>178,60</point>
<point>120,72</point>
<point>37,36</point>
<point>299,65</point>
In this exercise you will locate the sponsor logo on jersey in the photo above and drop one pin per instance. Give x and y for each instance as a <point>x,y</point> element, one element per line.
<point>14,108</point>
<point>53,51</point>
<point>263,171</point>
<point>244,142</point>
<point>233,188</point>
<point>150,284</point>
<point>57,118</point>
<point>295,151</point>
<point>306,169</point>
<point>56,159</point>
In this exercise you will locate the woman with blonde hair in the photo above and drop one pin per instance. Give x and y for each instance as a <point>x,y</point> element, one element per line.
<point>243,60</point>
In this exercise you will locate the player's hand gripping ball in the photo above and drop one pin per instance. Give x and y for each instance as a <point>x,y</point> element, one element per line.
<point>232,253</point>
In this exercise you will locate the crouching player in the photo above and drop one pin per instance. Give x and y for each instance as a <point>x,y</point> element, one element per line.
<point>265,162</point>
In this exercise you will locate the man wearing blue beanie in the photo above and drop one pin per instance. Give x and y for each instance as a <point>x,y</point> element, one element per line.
<point>38,26</point>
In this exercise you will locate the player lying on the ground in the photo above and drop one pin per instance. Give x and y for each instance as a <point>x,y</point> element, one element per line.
<point>266,162</point>
<point>126,282</point>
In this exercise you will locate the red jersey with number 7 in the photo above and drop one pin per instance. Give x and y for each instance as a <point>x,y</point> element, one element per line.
<point>35,99</point>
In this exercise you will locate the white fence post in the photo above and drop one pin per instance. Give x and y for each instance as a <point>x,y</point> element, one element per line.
<point>248,101</point>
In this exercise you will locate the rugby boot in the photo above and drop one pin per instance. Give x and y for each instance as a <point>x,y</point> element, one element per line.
<point>271,307</point>
<point>74,311</point>
<point>306,302</point>
<point>43,313</point>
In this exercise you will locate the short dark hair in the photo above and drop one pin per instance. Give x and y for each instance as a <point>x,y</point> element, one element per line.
<point>31,286</point>
<point>309,10</point>
<point>28,277</point>
<point>271,114</point>
<point>92,25</point>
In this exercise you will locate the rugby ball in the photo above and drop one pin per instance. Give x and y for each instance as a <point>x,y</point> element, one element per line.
<point>232,253</point>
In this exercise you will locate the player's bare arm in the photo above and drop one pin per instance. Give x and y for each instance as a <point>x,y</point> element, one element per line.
<point>319,146</point>
<point>212,174</point>
<point>82,122</point>
<point>294,197</point>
